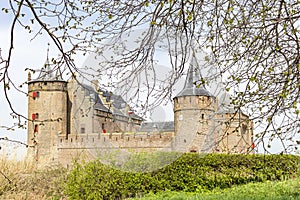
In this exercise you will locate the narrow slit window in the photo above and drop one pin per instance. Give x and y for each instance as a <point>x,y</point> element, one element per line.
<point>36,127</point>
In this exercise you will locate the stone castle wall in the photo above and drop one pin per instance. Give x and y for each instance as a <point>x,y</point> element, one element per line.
<point>92,145</point>
<point>68,126</point>
<point>194,123</point>
<point>235,134</point>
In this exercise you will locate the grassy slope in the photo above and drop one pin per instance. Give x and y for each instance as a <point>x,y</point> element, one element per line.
<point>30,183</point>
<point>284,190</point>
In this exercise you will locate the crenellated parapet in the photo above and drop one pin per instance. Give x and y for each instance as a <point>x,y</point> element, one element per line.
<point>47,86</point>
<point>130,141</point>
<point>108,143</point>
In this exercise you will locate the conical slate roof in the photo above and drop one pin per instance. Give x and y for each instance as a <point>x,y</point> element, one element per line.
<point>191,88</point>
<point>49,74</point>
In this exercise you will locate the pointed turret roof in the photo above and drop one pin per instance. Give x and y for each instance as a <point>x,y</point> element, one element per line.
<point>191,86</point>
<point>49,74</point>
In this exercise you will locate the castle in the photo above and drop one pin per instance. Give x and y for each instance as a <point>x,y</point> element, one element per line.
<point>68,119</point>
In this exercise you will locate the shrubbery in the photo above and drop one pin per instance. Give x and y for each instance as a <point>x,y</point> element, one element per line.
<point>190,172</point>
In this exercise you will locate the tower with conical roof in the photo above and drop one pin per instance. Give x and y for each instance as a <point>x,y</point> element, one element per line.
<point>194,111</point>
<point>47,113</point>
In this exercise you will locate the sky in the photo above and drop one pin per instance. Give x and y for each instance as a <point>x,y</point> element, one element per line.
<point>27,53</point>
<point>32,53</point>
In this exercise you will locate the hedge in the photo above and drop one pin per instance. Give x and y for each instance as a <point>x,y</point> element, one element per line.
<point>190,173</point>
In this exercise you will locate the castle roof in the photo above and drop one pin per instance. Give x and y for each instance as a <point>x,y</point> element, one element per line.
<point>167,126</point>
<point>49,74</point>
<point>90,91</point>
<point>118,103</point>
<point>192,86</point>
<point>225,105</point>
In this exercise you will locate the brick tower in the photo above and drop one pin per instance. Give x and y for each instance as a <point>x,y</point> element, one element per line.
<point>194,112</point>
<point>47,113</point>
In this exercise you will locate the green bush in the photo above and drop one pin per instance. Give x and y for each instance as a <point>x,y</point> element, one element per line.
<point>190,173</point>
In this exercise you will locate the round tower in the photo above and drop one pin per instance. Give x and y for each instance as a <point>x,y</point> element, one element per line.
<point>47,114</point>
<point>194,111</point>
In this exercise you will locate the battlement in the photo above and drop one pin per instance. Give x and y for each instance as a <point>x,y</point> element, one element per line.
<point>195,103</point>
<point>47,86</point>
<point>132,141</point>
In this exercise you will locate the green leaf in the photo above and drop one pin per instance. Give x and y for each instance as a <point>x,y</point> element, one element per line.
<point>5,10</point>
<point>206,59</point>
<point>153,22</point>
<point>253,79</point>
<point>209,23</point>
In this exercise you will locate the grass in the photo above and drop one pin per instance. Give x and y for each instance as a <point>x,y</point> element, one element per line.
<point>23,180</point>
<point>281,190</point>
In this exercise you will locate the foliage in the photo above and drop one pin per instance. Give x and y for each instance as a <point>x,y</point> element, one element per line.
<point>139,162</point>
<point>254,45</point>
<point>287,190</point>
<point>190,173</point>
<point>23,180</point>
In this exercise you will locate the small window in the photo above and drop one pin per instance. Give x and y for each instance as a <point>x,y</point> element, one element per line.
<point>36,128</point>
<point>82,130</point>
<point>35,94</point>
<point>34,116</point>
<point>244,129</point>
<point>202,116</point>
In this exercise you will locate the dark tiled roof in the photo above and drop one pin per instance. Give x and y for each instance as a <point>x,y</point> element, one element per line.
<point>157,126</point>
<point>119,105</point>
<point>191,87</point>
<point>90,91</point>
<point>118,102</point>
<point>135,116</point>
